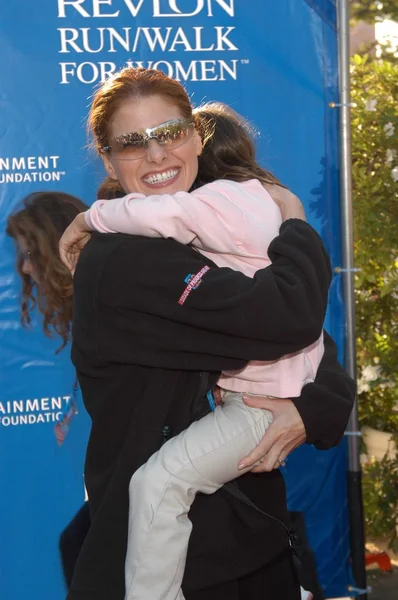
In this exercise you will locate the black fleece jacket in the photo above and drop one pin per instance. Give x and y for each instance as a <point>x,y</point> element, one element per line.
<point>146,353</point>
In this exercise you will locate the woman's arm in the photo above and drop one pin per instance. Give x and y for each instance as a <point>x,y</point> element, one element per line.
<point>286,200</point>
<point>318,416</point>
<point>282,307</point>
<point>325,405</point>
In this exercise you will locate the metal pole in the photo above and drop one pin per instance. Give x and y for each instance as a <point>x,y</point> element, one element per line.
<point>354,466</point>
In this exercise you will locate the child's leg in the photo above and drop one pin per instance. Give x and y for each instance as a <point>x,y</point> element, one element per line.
<point>201,459</point>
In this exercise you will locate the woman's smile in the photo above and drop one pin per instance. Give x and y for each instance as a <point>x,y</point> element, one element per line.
<point>159,179</point>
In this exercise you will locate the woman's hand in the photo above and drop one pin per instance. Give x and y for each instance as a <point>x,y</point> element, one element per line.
<point>72,242</point>
<point>285,433</point>
<point>289,205</point>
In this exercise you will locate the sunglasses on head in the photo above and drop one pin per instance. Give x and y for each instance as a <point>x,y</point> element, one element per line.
<point>170,135</point>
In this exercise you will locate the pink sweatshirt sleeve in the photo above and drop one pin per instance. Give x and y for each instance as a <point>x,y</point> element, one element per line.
<point>207,217</point>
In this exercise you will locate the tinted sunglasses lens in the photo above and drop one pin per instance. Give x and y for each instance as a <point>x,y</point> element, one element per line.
<point>130,146</point>
<point>173,134</point>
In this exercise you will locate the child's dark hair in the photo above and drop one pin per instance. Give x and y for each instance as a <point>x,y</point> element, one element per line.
<point>228,147</point>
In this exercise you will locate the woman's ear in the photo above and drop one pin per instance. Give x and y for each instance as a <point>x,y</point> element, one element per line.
<point>108,165</point>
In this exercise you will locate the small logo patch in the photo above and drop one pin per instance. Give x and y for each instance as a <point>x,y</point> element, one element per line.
<point>192,281</point>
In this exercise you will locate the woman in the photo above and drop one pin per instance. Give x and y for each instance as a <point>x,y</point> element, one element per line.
<point>145,361</point>
<point>233,223</point>
<point>47,283</point>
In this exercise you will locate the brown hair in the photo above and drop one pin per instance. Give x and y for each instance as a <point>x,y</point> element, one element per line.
<point>41,223</point>
<point>129,84</point>
<point>228,147</point>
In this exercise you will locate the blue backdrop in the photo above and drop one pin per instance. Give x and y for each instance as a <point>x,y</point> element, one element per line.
<point>274,62</point>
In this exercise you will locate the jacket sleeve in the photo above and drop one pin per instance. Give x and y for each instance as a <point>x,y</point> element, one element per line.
<point>282,307</point>
<point>326,404</point>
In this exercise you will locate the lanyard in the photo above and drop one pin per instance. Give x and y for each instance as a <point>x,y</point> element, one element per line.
<point>211,400</point>
<point>62,427</point>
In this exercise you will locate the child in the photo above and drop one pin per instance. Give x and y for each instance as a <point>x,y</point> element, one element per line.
<point>232,221</point>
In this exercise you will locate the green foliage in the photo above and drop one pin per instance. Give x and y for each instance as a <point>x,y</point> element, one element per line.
<point>375,199</point>
<point>380,491</point>
<point>372,10</point>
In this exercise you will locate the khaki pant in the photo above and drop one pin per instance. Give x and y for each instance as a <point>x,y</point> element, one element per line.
<point>201,459</point>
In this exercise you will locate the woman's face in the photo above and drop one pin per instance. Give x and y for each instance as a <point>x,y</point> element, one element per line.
<point>27,266</point>
<point>178,166</point>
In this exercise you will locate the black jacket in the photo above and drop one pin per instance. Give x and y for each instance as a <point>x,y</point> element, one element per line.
<point>144,362</point>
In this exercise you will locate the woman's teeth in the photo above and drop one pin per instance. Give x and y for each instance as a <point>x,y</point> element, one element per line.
<point>159,177</point>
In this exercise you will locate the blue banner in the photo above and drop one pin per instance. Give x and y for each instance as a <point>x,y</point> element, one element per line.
<point>275,63</point>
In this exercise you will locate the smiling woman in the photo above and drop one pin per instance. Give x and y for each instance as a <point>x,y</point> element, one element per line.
<point>137,109</point>
<point>149,345</point>
<point>170,148</point>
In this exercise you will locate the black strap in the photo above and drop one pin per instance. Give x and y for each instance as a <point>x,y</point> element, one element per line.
<point>233,489</point>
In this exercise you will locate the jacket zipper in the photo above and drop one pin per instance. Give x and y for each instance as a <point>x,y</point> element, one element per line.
<point>203,381</point>
<point>200,394</point>
<point>166,431</point>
